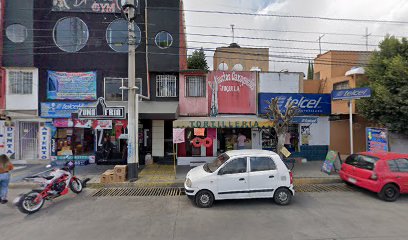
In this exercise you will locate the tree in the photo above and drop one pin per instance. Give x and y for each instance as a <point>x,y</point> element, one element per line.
<point>310,71</point>
<point>197,60</point>
<point>280,120</point>
<point>387,74</point>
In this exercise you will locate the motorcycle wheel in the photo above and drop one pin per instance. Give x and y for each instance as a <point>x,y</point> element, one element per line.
<point>27,205</point>
<point>76,186</point>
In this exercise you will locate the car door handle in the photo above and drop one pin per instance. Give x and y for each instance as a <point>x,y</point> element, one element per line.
<point>271,176</point>
<point>242,179</point>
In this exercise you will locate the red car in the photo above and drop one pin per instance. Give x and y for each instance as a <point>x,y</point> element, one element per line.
<point>383,173</point>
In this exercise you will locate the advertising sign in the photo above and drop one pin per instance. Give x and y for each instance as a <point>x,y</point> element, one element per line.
<point>44,148</point>
<point>2,137</point>
<point>232,92</point>
<point>308,104</point>
<point>61,109</point>
<point>94,6</point>
<point>10,142</point>
<point>347,94</point>
<point>102,124</point>
<point>332,162</point>
<point>377,139</point>
<point>101,111</point>
<point>178,135</point>
<point>264,123</point>
<point>71,85</point>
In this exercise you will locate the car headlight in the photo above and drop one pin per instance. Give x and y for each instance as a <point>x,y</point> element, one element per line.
<point>188,182</point>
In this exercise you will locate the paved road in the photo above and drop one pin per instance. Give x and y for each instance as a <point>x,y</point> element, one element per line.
<point>323,216</point>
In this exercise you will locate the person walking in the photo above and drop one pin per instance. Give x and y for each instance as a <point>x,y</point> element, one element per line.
<point>5,167</point>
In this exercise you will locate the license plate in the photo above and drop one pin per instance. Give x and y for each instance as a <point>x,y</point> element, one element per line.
<point>352,180</point>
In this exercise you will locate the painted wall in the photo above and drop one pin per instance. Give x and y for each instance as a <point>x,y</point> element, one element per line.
<point>247,57</point>
<point>22,101</point>
<point>398,143</point>
<point>276,82</point>
<point>311,86</point>
<point>192,106</point>
<point>319,132</point>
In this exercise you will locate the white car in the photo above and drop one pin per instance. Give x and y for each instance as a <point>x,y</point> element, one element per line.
<point>240,174</point>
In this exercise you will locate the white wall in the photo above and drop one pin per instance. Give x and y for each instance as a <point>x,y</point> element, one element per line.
<point>273,82</point>
<point>158,138</point>
<point>22,101</point>
<point>319,132</point>
<point>398,143</point>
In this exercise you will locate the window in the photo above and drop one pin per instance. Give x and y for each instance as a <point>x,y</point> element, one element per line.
<point>262,164</point>
<point>195,86</point>
<point>70,34</point>
<point>163,40</point>
<point>20,82</point>
<point>166,86</point>
<point>117,35</point>
<point>341,85</point>
<point>352,160</point>
<point>113,91</point>
<point>366,162</point>
<point>238,67</point>
<point>399,165</point>
<point>223,66</point>
<point>16,33</point>
<point>238,165</point>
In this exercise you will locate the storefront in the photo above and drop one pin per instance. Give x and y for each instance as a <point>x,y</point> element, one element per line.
<point>203,138</point>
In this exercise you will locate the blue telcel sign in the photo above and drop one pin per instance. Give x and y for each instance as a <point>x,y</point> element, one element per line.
<point>354,93</point>
<point>308,104</point>
<point>62,109</point>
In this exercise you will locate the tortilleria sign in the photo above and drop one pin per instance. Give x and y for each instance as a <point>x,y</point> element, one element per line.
<point>101,111</point>
<point>223,124</point>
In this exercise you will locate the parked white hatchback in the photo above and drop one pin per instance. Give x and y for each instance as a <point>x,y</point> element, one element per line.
<point>240,174</point>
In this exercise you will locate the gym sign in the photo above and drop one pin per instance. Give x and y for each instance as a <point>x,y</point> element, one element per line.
<point>101,111</point>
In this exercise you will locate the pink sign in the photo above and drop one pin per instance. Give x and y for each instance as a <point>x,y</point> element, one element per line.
<point>66,122</point>
<point>102,124</point>
<point>178,135</point>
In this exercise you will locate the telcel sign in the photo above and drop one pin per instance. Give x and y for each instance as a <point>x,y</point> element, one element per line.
<point>354,93</point>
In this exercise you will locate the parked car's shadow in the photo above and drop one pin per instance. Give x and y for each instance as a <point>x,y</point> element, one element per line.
<point>368,193</point>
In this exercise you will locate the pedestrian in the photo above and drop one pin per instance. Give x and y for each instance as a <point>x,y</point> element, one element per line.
<point>5,167</point>
<point>241,141</point>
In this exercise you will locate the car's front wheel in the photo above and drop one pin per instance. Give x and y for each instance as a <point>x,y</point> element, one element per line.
<point>204,199</point>
<point>282,196</point>
<point>389,193</point>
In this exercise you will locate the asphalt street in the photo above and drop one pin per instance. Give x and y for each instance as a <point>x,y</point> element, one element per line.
<point>328,215</point>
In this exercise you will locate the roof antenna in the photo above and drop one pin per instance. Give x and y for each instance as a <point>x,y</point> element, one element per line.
<point>233,33</point>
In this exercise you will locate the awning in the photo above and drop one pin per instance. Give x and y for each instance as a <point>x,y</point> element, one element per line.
<point>158,110</point>
<point>222,122</point>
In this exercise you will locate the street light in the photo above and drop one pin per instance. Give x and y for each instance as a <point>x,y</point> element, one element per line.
<point>133,129</point>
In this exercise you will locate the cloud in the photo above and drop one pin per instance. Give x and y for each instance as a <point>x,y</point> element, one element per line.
<point>355,9</point>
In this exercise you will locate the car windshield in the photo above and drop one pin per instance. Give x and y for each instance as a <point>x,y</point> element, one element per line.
<point>212,167</point>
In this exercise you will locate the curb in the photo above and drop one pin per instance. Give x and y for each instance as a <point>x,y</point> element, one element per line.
<point>311,180</point>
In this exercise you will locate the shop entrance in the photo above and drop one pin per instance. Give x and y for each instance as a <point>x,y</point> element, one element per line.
<point>28,140</point>
<point>78,141</point>
<point>233,139</point>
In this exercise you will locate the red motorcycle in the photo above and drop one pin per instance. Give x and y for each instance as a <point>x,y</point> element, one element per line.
<point>56,184</point>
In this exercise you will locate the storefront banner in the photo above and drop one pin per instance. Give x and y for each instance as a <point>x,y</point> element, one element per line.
<point>232,92</point>
<point>199,132</point>
<point>102,124</point>
<point>10,141</point>
<point>377,139</point>
<point>354,93</point>
<point>101,111</point>
<point>93,6</point>
<point>66,122</point>
<point>121,129</point>
<point>61,109</point>
<point>178,135</point>
<point>45,143</point>
<point>308,104</point>
<point>71,85</point>
<point>223,124</point>
<point>301,119</point>
<point>2,138</point>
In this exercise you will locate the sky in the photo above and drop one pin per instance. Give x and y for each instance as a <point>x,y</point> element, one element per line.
<point>284,54</point>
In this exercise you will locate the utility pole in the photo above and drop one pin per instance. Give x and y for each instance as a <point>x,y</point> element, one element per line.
<point>132,159</point>
<point>320,46</point>
<point>366,37</point>
<point>233,33</point>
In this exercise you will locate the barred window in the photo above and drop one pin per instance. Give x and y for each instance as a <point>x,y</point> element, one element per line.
<point>20,82</point>
<point>166,86</point>
<point>113,91</point>
<point>341,85</point>
<point>195,86</point>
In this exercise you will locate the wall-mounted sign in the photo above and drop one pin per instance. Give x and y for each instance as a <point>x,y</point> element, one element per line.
<point>2,137</point>
<point>308,104</point>
<point>101,111</point>
<point>44,148</point>
<point>102,124</point>
<point>232,92</point>
<point>95,6</point>
<point>223,124</point>
<point>347,94</point>
<point>10,142</point>
<point>304,119</point>
<point>178,135</point>
<point>66,122</point>
<point>377,139</point>
<point>61,109</point>
<point>71,85</point>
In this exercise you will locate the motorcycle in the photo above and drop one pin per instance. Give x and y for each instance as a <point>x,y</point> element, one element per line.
<point>55,185</point>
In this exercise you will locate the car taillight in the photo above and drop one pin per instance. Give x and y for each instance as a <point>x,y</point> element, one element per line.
<point>291,177</point>
<point>374,176</point>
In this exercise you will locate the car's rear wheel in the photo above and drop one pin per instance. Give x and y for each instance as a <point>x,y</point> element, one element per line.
<point>282,196</point>
<point>204,199</point>
<point>389,193</point>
